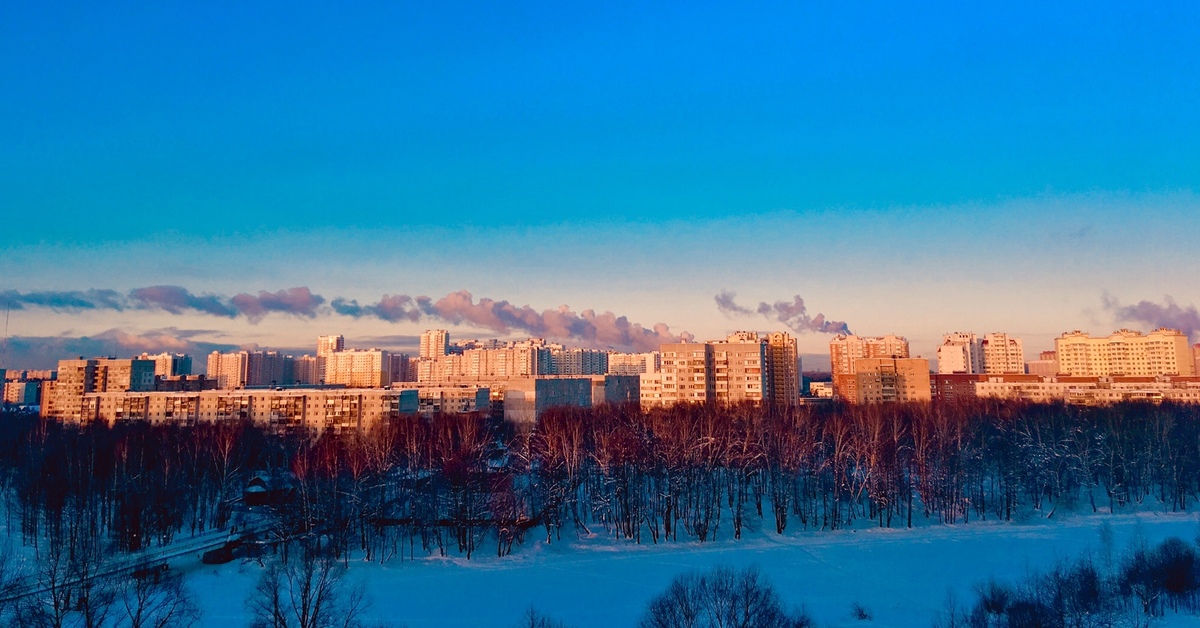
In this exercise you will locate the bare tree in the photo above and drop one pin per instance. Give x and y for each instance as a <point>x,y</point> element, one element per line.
<point>721,598</point>
<point>158,602</point>
<point>306,592</point>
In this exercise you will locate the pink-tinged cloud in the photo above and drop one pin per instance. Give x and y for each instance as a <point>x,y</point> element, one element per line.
<point>177,300</point>
<point>1167,314</point>
<point>604,329</point>
<point>792,314</point>
<point>299,301</point>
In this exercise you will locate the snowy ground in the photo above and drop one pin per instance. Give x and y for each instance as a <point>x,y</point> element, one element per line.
<point>901,576</point>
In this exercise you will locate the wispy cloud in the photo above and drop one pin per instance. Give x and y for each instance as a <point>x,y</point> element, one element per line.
<point>1165,314</point>
<point>600,329</point>
<point>588,327</point>
<point>792,314</point>
<point>299,301</point>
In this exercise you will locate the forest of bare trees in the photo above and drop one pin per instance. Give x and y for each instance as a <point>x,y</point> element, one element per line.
<point>466,484</point>
<point>78,498</point>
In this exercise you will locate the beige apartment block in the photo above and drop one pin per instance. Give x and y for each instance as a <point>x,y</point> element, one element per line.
<point>688,375</point>
<point>359,368</point>
<point>1125,353</point>
<point>634,363</point>
<point>63,399</point>
<point>890,380</point>
<point>740,369</point>
<point>845,351</point>
<point>435,343</point>
<point>1002,354</point>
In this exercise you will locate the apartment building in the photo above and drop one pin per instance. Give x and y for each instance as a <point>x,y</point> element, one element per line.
<point>688,375</point>
<point>960,352</point>
<point>359,368</point>
<point>1002,354</point>
<point>435,343</point>
<point>169,364</point>
<point>846,350</point>
<point>1045,366</point>
<point>1125,353</point>
<point>892,380</point>
<point>634,363</point>
<point>63,398</point>
<point>240,369</point>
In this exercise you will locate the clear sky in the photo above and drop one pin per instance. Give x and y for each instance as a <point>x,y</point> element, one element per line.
<point>916,169</point>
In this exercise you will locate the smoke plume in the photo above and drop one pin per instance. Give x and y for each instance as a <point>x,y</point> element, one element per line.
<point>1167,314</point>
<point>603,329</point>
<point>589,327</point>
<point>793,315</point>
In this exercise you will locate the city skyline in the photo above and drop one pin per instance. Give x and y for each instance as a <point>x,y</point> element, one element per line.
<point>915,170</point>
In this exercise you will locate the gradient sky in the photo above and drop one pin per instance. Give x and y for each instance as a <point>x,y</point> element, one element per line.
<point>917,169</point>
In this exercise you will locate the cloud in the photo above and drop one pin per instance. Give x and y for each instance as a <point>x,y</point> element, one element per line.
<point>793,315</point>
<point>598,329</point>
<point>1166,314</point>
<point>64,300</point>
<point>176,300</point>
<point>44,352</point>
<point>725,303</point>
<point>391,308</point>
<point>298,301</point>
<point>589,327</point>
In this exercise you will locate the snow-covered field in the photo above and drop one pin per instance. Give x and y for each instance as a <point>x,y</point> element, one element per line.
<point>901,576</point>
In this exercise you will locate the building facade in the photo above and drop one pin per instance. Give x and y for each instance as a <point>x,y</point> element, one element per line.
<point>1125,353</point>
<point>359,368</point>
<point>846,350</point>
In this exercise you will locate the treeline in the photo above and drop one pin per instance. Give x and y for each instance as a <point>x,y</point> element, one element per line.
<point>462,484</point>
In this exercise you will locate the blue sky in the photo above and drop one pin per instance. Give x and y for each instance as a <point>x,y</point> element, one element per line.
<point>915,169</point>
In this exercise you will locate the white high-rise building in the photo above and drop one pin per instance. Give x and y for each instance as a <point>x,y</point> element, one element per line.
<point>960,352</point>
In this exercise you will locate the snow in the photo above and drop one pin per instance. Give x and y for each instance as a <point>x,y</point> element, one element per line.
<point>902,576</point>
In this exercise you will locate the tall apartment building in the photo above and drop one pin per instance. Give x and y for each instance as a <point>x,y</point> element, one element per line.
<point>435,343</point>
<point>1196,356</point>
<point>995,353</point>
<point>308,369</point>
<point>845,351</point>
<point>558,360</point>
<point>330,344</point>
<point>513,359</point>
<point>1002,354</point>
<point>960,352</point>
<point>783,363</point>
<point>742,367</point>
<point>64,397</point>
<point>687,373</point>
<point>170,364</point>
<point>359,368</point>
<point>240,369</point>
<point>890,380</point>
<point>1125,353</point>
